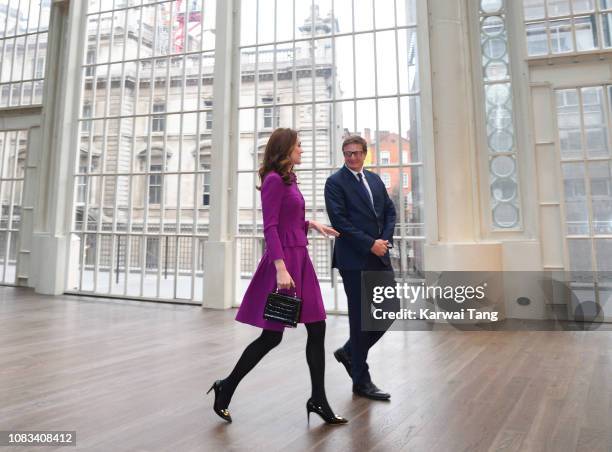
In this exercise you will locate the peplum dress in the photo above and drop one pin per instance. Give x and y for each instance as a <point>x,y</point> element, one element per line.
<point>285,229</point>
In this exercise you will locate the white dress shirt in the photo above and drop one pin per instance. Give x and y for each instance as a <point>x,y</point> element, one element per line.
<point>365,182</point>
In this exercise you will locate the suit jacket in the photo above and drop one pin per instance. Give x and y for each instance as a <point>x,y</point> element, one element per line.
<point>283,215</point>
<point>350,212</point>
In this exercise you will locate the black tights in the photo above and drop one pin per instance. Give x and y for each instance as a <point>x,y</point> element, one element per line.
<point>256,350</point>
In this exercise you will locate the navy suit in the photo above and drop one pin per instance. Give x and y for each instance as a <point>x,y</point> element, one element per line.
<point>351,213</point>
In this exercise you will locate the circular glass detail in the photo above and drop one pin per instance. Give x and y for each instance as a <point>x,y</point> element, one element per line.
<point>501,141</point>
<point>491,6</point>
<point>499,118</point>
<point>498,94</point>
<point>492,26</point>
<point>494,48</point>
<point>503,166</point>
<point>505,215</point>
<point>504,189</point>
<point>496,70</point>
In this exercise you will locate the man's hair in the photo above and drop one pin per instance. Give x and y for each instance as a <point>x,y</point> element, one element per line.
<point>355,139</point>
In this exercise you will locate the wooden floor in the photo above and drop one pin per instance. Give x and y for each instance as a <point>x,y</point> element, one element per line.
<point>131,376</point>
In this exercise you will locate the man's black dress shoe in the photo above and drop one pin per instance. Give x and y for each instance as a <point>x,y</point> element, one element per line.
<point>370,391</point>
<point>343,358</point>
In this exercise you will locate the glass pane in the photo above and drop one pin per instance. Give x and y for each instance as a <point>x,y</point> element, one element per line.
<point>569,124</point>
<point>558,7</point>
<point>284,20</point>
<point>561,36</point>
<point>343,15</point>
<point>345,85</point>
<point>385,13</point>
<point>537,39</point>
<point>363,15</point>
<point>603,261</point>
<point>533,9</point>
<point>407,63</point>
<point>579,251</point>
<point>365,75</point>
<point>586,32</point>
<point>410,128</point>
<point>576,208</point>
<point>595,124</point>
<point>266,22</point>
<point>583,6</point>
<point>601,196</point>
<point>248,27</point>
<point>606,21</point>
<point>388,137</point>
<point>406,12</point>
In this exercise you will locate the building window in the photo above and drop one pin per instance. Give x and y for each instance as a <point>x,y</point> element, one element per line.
<point>205,184</point>
<point>209,114</point>
<point>90,71</point>
<point>155,185</point>
<point>385,158</point>
<point>40,68</point>
<point>386,178</point>
<point>405,180</point>
<point>82,185</point>
<point>159,121</point>
<point>152,256</point>
<point>4,95</point>
<point>86,123</point>
<point>271,118</point>
<point>560,26</point>
<point>405,157</point>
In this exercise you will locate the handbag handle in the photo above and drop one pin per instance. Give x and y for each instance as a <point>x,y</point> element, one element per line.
<point>294,292</point>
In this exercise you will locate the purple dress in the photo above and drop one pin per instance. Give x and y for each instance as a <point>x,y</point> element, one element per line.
<point>285,230</point>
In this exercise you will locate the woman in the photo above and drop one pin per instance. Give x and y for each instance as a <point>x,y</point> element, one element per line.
<point>284,265</point>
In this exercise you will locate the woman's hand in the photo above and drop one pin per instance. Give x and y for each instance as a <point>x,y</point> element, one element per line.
<point>284,279</point>
<point>323,229</point>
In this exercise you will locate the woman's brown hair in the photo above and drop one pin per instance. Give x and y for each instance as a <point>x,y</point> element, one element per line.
<point>277,155</point>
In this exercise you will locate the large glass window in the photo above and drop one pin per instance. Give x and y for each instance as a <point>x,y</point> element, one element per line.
<point>139,220</point>
<point>330,68</point>
<point>24,26</point>
<point>583,118</point>
<point>13,146</point>
<point>557,27</point>
<point>499,116</point>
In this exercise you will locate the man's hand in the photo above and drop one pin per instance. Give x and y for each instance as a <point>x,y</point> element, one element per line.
<point>380,247</point>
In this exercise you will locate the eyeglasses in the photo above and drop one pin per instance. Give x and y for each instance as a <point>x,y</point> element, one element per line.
<point>349,154</point>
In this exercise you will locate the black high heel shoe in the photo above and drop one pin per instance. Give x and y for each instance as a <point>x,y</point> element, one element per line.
<point>222,413</point>
<point>328,417</point>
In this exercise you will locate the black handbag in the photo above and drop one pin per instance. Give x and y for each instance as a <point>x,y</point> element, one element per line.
<point>283,308</point>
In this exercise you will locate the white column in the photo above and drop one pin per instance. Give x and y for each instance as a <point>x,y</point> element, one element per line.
<point>219,249</point>
<point>53,206</point>
<point>458,245</point>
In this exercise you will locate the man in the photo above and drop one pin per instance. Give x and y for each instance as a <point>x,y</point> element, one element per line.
<point>360,209</point>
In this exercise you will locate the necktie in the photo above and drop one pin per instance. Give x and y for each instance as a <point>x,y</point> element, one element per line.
<point>364,190</point>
